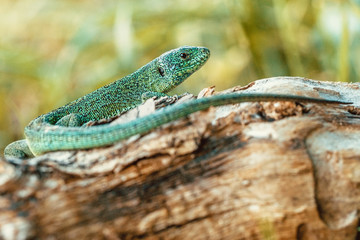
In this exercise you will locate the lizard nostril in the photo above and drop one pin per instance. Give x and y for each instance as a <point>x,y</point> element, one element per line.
<point>205,50</point>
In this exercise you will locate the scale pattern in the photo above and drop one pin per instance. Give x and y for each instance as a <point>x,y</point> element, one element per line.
<point>59,129</point>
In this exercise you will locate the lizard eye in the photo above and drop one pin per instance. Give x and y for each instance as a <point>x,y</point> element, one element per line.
<point>161,71</point>
<point>184,55</point>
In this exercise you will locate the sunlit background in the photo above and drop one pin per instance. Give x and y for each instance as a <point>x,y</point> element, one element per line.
<point>52,52</point>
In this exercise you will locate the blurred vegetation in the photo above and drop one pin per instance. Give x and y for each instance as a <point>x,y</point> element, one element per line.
<point>52,52</point>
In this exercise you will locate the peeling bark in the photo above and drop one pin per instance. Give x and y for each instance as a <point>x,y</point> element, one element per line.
<point>262,170</point>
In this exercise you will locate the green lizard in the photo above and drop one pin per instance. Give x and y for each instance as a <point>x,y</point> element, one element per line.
<point>61,128</point>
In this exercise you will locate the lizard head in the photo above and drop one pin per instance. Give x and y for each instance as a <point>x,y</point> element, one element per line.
<point>174,66</point>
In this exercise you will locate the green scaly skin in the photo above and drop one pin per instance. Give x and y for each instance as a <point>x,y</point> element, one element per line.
<point>59,129</point>
<point>153,79</point>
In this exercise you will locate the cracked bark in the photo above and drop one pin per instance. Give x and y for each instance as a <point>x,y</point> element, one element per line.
<point>278,170</point>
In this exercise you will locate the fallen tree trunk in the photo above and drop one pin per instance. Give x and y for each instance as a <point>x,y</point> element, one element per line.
<point>263,170</point>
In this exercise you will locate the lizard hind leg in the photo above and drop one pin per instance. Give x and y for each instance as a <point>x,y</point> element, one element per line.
<point>18,149</point>
<point>71,120</point>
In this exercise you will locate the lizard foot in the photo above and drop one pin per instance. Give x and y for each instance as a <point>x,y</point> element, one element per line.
<point>18,149</point>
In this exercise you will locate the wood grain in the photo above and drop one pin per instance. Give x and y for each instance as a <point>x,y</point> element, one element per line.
<point>263,170</point>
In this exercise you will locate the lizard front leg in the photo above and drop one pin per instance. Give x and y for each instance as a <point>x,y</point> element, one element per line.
<point>145,96</point>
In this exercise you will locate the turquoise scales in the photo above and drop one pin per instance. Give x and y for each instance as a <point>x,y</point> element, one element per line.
<point>59,129</point>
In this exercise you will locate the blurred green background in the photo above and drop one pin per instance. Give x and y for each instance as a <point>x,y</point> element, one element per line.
<point>52,52</point>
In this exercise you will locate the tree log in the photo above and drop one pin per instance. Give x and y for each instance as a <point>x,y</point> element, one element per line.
<point>261,170</point>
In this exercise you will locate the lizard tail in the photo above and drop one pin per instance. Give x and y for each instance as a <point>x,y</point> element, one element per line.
<point>66,138</point>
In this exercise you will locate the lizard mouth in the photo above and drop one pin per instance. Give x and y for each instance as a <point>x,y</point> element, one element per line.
<point>203,56</point>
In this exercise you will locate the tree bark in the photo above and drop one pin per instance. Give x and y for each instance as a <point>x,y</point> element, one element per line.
<point>261,170</point>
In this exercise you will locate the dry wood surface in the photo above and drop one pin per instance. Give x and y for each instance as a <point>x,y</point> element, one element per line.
<point>261,170</point>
